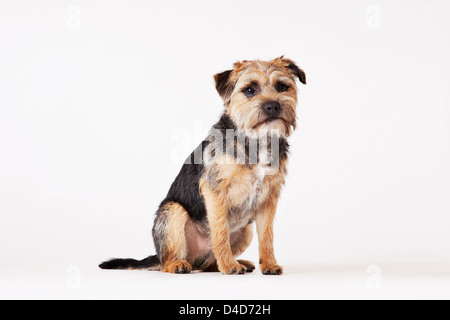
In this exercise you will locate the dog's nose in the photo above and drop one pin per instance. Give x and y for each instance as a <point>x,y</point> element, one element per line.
<point>272,108</point>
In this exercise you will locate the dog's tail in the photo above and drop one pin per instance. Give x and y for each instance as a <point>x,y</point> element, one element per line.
<point>151,263</point>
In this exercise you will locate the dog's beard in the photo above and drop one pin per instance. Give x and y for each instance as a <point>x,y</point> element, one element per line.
<point>277,125</point>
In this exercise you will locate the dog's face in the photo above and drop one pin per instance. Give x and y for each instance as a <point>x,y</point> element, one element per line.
<point>261,95</point>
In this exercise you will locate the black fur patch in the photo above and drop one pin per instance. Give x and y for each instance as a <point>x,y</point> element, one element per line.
<point>146,263</point>
<point>185,189</point>
<point>297,71</point>
<point>223,85</point>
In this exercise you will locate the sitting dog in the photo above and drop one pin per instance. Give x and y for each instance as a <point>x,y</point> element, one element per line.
<point>234,178</point>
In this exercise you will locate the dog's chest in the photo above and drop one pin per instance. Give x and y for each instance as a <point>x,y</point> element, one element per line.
<point>246,191</point>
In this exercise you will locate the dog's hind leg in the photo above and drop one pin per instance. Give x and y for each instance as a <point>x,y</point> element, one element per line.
<point>170,238</point>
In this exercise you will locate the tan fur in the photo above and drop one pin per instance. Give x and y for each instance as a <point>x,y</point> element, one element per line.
<point>248,115</point>
<point>217,209</point>
<point>264,225</point>
<point>176,250</point>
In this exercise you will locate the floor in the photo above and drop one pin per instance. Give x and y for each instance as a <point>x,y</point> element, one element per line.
<point>326,281</point>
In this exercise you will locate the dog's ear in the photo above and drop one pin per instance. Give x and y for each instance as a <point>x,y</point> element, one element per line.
<point>224,86</point>
<point>295,69</point>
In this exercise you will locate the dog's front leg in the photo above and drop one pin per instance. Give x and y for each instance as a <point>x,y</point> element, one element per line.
<point>264,226</point>
<point>217,210</point>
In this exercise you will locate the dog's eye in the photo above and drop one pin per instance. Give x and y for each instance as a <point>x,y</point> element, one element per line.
<point>250,91</point>
<point>281,87</point>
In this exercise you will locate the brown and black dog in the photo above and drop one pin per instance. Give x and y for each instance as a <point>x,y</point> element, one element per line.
<point>234,178</point>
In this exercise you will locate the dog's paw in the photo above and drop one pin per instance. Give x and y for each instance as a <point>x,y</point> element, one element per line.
<point>271,270</point>
<point>248,265</point>
<point>178,267</point>
<point>232,268</point>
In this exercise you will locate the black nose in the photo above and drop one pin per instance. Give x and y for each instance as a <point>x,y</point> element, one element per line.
<point>272,108</point>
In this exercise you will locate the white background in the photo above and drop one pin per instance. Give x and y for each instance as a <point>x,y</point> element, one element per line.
<point>100,102</point>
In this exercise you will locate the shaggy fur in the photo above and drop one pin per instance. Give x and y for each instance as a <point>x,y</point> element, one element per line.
<point>232,180</point>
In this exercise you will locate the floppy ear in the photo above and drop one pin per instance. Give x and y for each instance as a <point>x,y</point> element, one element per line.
<point>296,70</point>
<point>224,86</point>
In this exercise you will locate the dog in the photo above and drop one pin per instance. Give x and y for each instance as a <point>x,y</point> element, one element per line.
<point>233,179</point>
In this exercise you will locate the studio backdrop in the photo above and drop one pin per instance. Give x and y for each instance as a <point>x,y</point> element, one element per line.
<point>102,101</point>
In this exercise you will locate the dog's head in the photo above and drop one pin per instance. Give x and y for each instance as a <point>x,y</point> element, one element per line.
<point>261,94</point>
